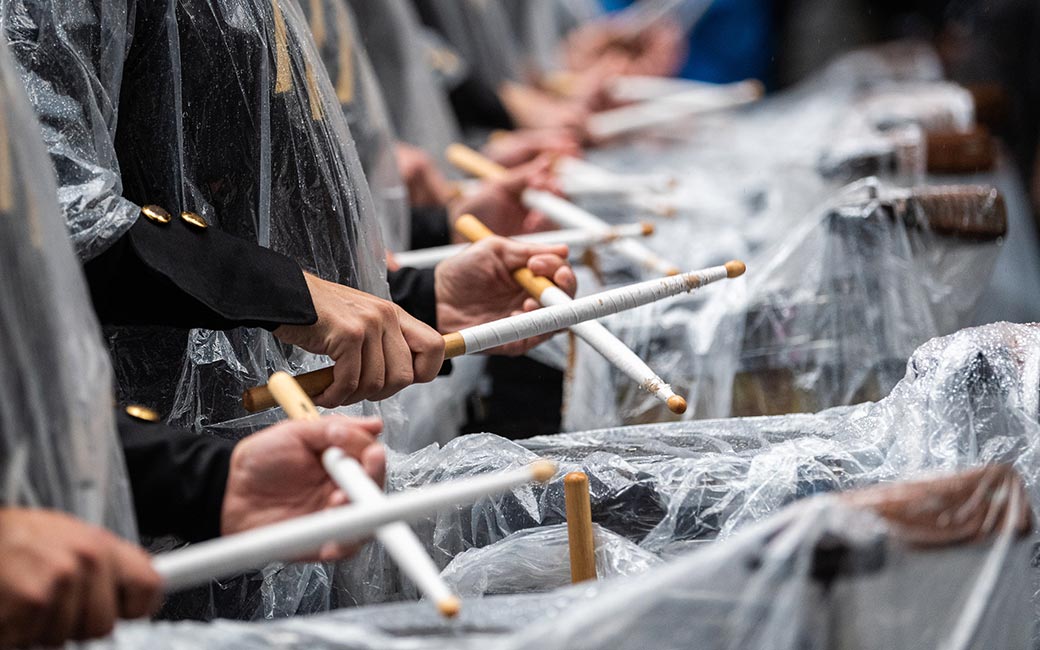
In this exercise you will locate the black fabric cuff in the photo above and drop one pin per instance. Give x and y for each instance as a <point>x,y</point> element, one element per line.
<point>414,290</point>
<point>176,275</point>
<point>430,227</point>
<point>178,478</point>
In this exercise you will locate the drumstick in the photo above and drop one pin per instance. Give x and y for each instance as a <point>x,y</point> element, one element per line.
<point>427,257</point>
<point>592,332</point>
<point>581,539</point>
<point>617,121</point>
<point>560,210</point>
<point>285,541</point>
<point>397,538</point>
<point>534,323</point>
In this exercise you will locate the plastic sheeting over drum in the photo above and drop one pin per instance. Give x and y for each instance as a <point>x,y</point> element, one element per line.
<point>820,574</point>
<point>58,446</point>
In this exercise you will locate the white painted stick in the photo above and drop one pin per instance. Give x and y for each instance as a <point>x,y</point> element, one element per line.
<point>592,332</point>
<point>397,538</point>
<point>636,88</point>
<point>427,257</point>
<point>560,210</point>
<point>615,122</point>
<point>303,536</point>
<point>560,317</point>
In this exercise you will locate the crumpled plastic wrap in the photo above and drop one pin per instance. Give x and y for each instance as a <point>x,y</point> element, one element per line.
<point>396,47</point>
<point>537,559</point>
<point>233,117</point>
<point>58,445</point>
<point>479,31</point>
<point>848,572</point>
<point>966,399</point>
<point>827,317</point>
<point>339,43</point>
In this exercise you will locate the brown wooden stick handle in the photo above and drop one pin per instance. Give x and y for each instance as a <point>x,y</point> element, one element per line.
<point>314,383</point>
<point>579,527</point>
<point>474,230</point>
<point>286,390</point>
<point>473,162</point>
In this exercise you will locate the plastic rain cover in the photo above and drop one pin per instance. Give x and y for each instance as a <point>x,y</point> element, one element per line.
<point>58,447</point>
<point>248,133</point>
<point>416,99</point>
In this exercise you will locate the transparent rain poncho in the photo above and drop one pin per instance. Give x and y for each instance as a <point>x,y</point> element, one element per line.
<point>336,35</point>
<point>480,33</point>
<point>415,98</point>
<point>540,27</point>
<point>58,444</point>
<point>233,117</point>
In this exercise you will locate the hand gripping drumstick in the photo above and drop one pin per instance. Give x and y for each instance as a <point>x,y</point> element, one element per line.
<point>534,323</point>
<point>397,538</point>
<point>562,211</point>
<point>427,257</point>
<point>285,541</point>
<point>592,332</point>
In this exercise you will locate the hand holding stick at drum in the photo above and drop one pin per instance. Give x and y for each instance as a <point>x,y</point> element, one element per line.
<point>560,210</point>
<point>534,323</point>
<point>397,538</point>
<point>289,540</point>
<point>592,332</point>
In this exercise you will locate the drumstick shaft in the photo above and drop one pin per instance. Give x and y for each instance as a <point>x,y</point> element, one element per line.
<point>560,210</point>
<point>285,541</point>
<point>535,323</point>
<point>592,332</point>
<point>427,257</point>
<point>397,538</point>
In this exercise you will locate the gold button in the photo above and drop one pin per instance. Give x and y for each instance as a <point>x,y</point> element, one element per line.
<point>194,220</point>
<point>142,413</point>
<point>156,214</point>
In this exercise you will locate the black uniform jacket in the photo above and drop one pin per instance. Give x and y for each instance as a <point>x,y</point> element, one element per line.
<point>178,275</point>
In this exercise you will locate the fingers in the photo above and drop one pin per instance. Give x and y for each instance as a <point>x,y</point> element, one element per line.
<point>373,461</point>
<point>398,362</point>
<point>140,592</point>
<point>98,609</point>
<point>427,347</point>
<point>346,375</point>
<point>373,365</point>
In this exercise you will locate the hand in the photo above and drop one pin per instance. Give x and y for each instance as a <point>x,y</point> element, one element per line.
<point>476,286</point>
<point>63,579</point>
<point>512,148</point>
<point>276,474</point>
<point>426,184</point>
<point>378,349</point>
<point>497,202</point>
<point>532,108</point>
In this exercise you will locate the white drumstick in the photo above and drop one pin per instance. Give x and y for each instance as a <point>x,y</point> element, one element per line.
<point>560,210</point>
<point>397,538</point>
<point>592,332</point>
<point>427,257</point>
<point>288,540</point>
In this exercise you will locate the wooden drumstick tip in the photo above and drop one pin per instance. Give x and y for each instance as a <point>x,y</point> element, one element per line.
<point>449,607</point>
<point>648,228</point>
<point>673,271</point>
<point>735,268</point>
<point>676,405</point>
<point>575,478</point>
<point>543,470</point>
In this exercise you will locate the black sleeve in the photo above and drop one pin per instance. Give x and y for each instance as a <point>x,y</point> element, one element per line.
<point>430,227</point>
<point>413,291</point>
<point>176,275</point>
<point>177,478</point>
<point>477,106</point>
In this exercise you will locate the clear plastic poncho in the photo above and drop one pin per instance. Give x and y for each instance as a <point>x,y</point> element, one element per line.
<point>416,99</point>
<point>58,444</point>
<point>480,32</point>
<point>340,44</point>
<point>224,109</point>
